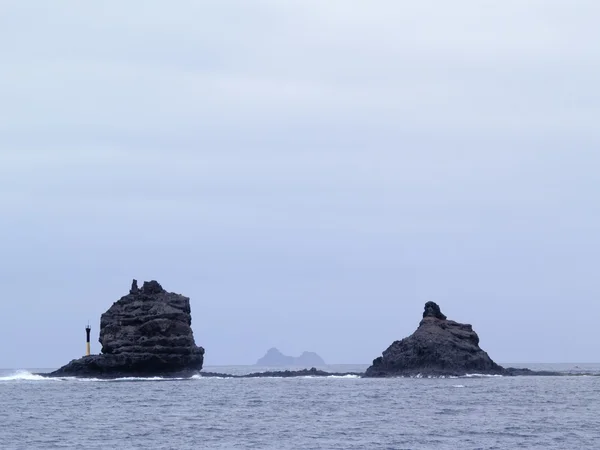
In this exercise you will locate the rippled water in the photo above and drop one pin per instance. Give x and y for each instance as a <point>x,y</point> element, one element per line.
<point>301,413</point>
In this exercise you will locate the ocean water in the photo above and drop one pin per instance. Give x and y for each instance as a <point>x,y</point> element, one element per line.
<point>472,412</point>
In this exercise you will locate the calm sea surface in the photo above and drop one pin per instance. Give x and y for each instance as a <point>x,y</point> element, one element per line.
<point>302,413</point>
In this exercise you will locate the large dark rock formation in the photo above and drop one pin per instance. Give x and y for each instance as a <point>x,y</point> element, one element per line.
<point>439,347</point>
<point>145,333</point>
<point>274,357</point>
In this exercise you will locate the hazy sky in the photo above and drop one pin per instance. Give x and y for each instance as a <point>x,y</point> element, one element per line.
<point>308,172</point>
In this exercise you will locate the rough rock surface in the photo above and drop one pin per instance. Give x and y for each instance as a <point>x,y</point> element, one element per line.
<point>145,333</point>
<point>274,357</point>
<point>439,347</point>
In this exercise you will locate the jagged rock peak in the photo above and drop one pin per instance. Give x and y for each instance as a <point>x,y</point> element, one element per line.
<point>152,287</point>
<point>148,288</point>
<point>433,310</point>
<point>134,287</point>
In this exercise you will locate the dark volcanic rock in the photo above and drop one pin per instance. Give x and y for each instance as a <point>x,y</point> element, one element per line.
<point>134,287</point>
<point>439,347</point>
<point>274,357</point>
<point>147,332</point>
<point>312,372</point>
<point>433,310</point>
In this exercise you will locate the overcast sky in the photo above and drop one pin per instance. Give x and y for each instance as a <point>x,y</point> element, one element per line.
<point>308,172</point>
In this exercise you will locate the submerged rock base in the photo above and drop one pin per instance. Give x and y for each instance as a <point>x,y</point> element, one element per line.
<point>294,374</point>
<point>313,372</point>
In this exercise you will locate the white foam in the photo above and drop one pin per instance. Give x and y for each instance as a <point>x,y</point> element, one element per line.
<point>459,386</point>
<point>202,377</point>
<point>23,375</point>
<point>451,377</point>
<point>143,379</point>
<point>481,375</point>
<point>130,379</point>
<point>319,377</point>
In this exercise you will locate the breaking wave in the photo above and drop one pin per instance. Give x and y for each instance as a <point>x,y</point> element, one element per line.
<point>22,375</point>
<point>468,375</point>
<point>25,375</point>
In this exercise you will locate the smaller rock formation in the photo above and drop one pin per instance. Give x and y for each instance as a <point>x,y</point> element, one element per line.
<point>145,333</point>
<point>312,372</point>
<point>439,347</point>
<point>134,288</point>
<point>433,310</point>
<point>274,358</point>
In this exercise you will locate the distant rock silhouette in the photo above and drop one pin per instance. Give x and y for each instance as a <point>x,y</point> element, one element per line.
<point>274,357</point>
<point>147,332</point>
<point>438,347</point>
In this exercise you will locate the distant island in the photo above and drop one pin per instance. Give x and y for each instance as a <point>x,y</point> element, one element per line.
<point>274,357</point>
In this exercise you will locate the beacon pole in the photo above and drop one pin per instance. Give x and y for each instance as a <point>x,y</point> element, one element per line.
<point>87,340</point>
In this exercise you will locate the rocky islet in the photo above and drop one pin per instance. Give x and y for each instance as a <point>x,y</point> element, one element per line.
<point>438,347</point>
<point>145,333</point>
<point>148,333</point>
